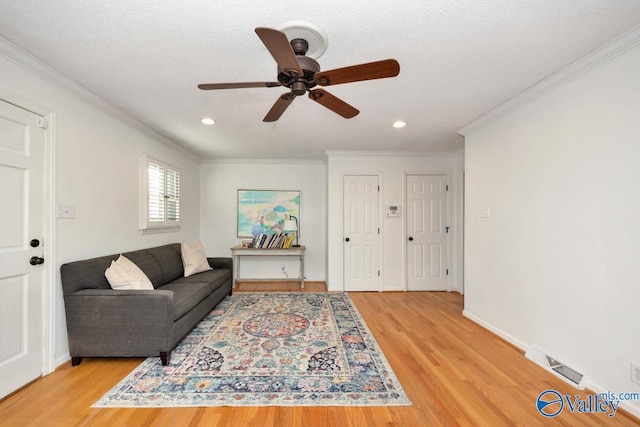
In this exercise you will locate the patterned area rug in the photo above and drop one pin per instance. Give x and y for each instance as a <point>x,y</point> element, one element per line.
<point>269,349</point>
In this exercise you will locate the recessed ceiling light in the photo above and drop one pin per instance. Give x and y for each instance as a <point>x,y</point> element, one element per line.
<point>399,124</point>
<point>208,121</point>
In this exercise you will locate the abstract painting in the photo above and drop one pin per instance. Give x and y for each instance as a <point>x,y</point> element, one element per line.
<point>265,211</point>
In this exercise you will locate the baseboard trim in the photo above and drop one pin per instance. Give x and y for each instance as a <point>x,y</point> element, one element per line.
<point>505,336</point>
<point>62,360</point>
<point>591,387</point>
<point>625,405</point>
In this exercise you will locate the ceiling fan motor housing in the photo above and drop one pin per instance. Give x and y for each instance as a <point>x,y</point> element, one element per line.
<point>309,66</point>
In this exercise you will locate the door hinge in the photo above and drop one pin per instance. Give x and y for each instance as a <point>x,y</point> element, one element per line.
<point>447,271</point>
<point>378,273</point>
<point>378,230</point>
<point>378,188</point>
<point>447,187</point>
<point>447,228</point>
<point>43,123</point>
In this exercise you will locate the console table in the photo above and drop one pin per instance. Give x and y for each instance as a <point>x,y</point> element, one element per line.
<point>239,251</point>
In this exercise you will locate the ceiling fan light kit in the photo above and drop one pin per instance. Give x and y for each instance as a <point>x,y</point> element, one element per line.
<point>300,72</point>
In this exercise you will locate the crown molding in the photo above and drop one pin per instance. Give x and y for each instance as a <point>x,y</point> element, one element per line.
<point>14,54</point>
<point>595,58</point>
<point>332,153</point>
<point>263,161</point>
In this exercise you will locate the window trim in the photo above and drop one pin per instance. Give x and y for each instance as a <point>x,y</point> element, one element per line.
<point>146,225</point>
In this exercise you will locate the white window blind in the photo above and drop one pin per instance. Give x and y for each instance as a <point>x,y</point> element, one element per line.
<point>161,198</point>
<point>172,195</point>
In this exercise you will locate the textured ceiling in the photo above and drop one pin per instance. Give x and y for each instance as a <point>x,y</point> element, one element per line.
<point>458,59</point>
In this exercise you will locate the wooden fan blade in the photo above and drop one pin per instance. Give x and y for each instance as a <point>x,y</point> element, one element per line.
<point>333,103</point>
<point>214,86</point>
<point>279,107</point>
<point>279,47</point>
<point>357,73</point>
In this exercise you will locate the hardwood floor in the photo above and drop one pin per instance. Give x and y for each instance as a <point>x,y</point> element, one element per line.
<point>454,372</point>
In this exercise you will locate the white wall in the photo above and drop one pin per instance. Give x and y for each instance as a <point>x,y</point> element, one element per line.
<point>458,220</point>
<point>556,264</point>
<point>97,170</point>
<point>392,169</point>
<point>219,184</point>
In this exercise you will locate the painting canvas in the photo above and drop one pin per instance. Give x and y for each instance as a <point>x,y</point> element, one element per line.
<point>265,211</point>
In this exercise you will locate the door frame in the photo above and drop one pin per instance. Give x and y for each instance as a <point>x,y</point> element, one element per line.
<point>380,249</point>
<point>49,272</point>
<point>405,275</point>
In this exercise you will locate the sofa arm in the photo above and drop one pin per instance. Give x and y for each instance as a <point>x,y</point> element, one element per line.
<point>119,323</point>
<point>221,262</point>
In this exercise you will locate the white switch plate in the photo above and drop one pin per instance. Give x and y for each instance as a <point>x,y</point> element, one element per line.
<point>486,213</point>
<point>65,211</point>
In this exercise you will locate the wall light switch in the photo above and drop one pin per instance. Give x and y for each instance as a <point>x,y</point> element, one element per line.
<point>65,211</point>
<point>486,213</point>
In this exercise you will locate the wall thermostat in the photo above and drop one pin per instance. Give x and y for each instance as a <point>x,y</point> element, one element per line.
<point>392,211</point>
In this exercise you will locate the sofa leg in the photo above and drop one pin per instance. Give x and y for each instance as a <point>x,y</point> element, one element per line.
<point>230,291</point>
<point>165,357</point>
<point>75,360</point>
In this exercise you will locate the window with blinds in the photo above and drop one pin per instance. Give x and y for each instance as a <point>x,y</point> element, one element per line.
<point>162,196</point>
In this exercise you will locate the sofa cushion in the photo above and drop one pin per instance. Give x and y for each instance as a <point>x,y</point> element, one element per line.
<point>148,264</point>
<point>186,296</point>
<point>194,258</point>
<point>124,274</point>
<point>170,261</point>
<point>215,278</point>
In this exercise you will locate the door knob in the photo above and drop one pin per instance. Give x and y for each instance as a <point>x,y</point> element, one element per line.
<point>34,243</point>
<point>410,239</point>
<point>36,260</point>
<point>346,240</point>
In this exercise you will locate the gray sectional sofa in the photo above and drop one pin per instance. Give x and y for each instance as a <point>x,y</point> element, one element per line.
<point>102,322</point>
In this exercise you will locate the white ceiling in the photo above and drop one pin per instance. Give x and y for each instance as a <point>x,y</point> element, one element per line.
<point>458,59</point>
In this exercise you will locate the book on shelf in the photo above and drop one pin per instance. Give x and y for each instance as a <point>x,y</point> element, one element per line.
<point>271,241</point>
<point>289,240</point>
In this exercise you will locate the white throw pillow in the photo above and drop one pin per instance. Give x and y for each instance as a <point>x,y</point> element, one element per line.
<point>194,260</point>
<point>124,274</point>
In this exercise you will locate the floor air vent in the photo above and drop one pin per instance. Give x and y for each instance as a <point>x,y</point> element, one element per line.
<point>556,367</point>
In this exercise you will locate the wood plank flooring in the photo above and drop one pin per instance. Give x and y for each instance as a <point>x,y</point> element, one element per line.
<point>455,373</point>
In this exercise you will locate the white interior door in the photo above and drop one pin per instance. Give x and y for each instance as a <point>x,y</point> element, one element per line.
<point>427,225</point>
<point>21,221</point>
<point>361,233</point>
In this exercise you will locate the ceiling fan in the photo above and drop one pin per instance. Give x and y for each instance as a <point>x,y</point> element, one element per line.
<point>301,74</point>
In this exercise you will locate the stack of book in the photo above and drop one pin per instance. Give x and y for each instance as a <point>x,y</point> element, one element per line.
<point>273,241</point>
